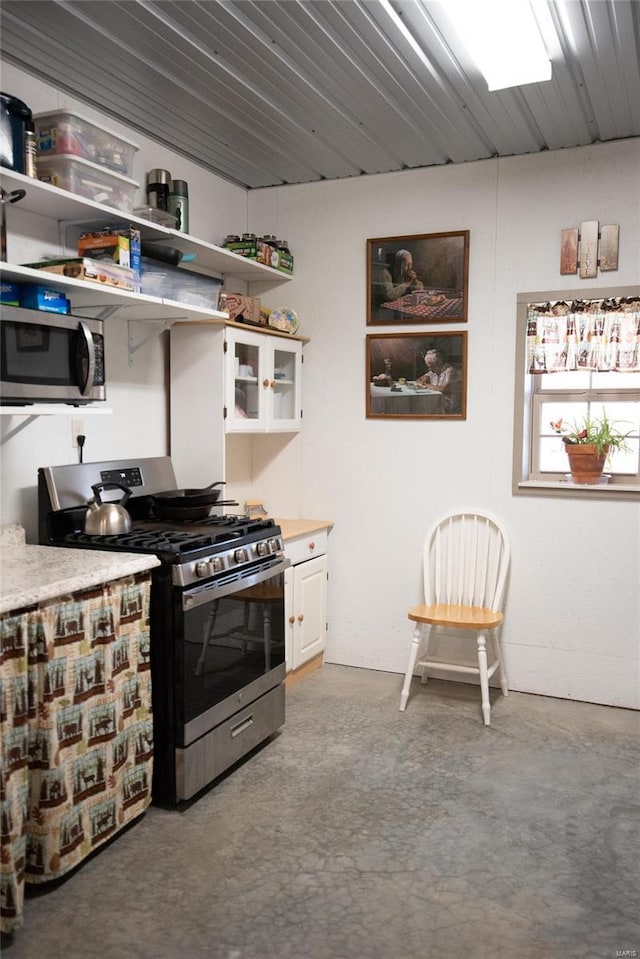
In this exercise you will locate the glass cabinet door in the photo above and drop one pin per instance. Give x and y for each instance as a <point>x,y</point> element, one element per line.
<point>245,370</point>
<point>285,362</point>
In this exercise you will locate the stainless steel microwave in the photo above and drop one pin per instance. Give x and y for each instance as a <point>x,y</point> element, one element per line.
<point>50,358</point>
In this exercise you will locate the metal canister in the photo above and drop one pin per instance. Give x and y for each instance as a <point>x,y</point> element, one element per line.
<point>30,150</point>
<point>179,204</point>
<point>158,182</point>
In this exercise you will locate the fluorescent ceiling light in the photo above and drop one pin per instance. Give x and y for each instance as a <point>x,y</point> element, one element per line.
<point>503,39</point>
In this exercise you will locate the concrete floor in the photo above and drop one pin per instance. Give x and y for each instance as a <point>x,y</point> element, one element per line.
<point>360,832</point>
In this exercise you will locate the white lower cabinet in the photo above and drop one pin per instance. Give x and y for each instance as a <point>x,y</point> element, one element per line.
<point>305,603</point>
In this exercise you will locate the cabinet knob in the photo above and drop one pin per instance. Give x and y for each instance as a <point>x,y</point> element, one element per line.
<point>273,384</point>
<point>265,383</point>
<point>292,620</point>
<point>312,545</point>
<point>300,618</point>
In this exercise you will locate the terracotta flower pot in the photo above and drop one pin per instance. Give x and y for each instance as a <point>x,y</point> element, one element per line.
<point>585,463</point>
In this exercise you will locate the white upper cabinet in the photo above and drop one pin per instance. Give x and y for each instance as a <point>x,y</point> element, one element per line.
<point>262,382</point>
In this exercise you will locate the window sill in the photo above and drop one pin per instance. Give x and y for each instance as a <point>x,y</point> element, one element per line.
<point>563,488</point>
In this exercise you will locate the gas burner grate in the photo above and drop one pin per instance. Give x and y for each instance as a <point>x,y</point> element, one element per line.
<point>145,541</point>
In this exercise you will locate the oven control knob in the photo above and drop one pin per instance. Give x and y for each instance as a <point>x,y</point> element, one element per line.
<point>262,548</point>
<point>274,545</point>
<point>203,569</point>
<point>240,556</point>
<point>217,564</point>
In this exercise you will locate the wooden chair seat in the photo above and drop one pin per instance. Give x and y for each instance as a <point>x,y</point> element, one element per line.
<point>464,617</point>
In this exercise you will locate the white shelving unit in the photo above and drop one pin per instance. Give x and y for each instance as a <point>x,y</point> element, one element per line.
<point>74,214</point>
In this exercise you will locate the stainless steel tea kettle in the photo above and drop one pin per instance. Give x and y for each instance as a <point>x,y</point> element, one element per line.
<point>107,519</point>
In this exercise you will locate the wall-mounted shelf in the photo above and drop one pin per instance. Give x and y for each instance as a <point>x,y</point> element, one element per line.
<point>78,213</point>
<point>53,409</point>
<point>91,296</point>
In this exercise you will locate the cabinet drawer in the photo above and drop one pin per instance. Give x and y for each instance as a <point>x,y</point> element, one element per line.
<point>306,547</point>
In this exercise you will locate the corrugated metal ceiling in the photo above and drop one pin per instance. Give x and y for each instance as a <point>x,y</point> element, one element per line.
<point>267,92</point>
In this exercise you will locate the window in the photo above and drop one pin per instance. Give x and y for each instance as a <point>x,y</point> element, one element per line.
<point>576,358</point>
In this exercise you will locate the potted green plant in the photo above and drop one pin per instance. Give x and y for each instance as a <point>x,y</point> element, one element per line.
<point>588,443</point>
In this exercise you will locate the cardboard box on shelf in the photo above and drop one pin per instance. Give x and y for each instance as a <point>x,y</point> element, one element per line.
<point>285,262</point>
<point>267,254</point>
<point>246,248</point>
<point>240,308</point>
<point>85,268</point>
<point>34,296</point>
<point>10,293</point>
<point>119,244</point>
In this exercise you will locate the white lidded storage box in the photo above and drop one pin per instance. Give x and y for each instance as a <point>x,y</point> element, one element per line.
<point>88,180</point>
<point>61,133</point>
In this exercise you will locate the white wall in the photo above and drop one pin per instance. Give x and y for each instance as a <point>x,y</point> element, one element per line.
<point>573,606</point>
<point>572,622</point>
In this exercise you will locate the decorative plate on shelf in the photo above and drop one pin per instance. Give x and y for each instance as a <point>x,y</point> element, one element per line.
<point>284,319</point>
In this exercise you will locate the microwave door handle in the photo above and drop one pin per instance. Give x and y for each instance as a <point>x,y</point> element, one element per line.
<point>87,342</point>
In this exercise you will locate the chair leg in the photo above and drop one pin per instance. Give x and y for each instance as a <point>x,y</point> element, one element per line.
<point>426,636</point>
<point>484,678</point>
<point>504,682</point>
<point>413,655</point>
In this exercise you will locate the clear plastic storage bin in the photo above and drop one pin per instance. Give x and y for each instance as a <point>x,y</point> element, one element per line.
<point>60,133</point>
<point>173,283</point>
<point>88,180</point>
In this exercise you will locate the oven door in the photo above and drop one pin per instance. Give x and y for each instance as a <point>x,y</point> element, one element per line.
<point>230,650</point>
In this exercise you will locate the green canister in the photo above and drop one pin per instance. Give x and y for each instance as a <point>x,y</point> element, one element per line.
<point>179,204</point>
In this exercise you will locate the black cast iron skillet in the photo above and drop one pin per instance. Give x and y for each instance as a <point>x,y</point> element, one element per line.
<point>183,514</point>
<point>186,498</point>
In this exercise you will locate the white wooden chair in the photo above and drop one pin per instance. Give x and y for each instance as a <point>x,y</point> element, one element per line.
<point>465,565</point>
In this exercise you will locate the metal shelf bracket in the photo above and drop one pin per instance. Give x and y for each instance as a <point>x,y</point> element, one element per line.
<point>160,327</point>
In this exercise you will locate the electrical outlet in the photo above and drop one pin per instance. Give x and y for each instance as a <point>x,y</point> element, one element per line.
<point>77,429</point>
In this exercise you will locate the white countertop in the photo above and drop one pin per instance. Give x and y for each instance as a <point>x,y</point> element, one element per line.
<point>34,574</point>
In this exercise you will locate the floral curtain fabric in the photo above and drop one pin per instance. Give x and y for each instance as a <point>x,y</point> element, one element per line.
<point>599,335</point>
<point>76,731</point>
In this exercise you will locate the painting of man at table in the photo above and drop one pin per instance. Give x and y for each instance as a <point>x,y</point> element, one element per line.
<point>418,279</point>
<point>417,375</point>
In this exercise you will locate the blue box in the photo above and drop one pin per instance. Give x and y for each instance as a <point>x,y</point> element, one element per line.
<point>33,296</point>
<point>10,293</point>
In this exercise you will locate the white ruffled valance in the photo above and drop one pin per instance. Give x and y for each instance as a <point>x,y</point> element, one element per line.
<point>600,335</point>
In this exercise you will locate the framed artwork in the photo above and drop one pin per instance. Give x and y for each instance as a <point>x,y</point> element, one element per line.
<point>418,279</point>
<point>568,251</point>
<point>416,375</point>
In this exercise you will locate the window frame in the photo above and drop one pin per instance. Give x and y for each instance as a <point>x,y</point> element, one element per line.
<point>527,478</point>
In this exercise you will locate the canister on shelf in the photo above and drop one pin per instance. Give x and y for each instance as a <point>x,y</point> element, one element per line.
<point>30,150</point>
<point>179,204</point>
<point>158,189</point>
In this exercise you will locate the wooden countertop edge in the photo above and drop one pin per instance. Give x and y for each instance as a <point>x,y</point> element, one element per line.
<point>294,528</point>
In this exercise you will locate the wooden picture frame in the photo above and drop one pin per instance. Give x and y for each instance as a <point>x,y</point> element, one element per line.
<point>418,279</point>
<point>402,384</point>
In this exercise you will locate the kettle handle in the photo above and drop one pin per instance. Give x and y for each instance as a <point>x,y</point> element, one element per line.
<point>97,487</point>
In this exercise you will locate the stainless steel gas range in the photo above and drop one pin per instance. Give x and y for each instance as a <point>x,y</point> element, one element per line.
<point>216,620</point>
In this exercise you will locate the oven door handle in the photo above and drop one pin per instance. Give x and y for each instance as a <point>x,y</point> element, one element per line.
<point>206,593</point>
